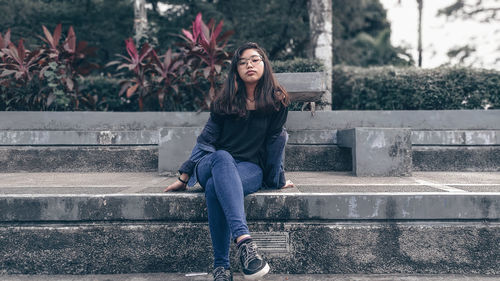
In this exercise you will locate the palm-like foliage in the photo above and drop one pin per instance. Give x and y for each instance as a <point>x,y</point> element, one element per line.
<point>205,48</point>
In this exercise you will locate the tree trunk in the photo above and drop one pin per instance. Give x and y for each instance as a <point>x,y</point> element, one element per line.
<point>420,8</point>
<point>321,43</point>
<point>140,20</point>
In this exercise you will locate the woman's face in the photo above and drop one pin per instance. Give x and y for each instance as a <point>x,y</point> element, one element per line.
<point>250,66</point>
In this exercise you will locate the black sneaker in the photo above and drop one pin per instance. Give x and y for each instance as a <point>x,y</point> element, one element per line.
<point>254,266</point>
<point>222,274</point>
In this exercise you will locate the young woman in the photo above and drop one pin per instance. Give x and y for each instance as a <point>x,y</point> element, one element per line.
<point>239,150</point>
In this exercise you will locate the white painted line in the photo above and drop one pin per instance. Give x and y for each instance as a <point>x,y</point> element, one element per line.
<point>439,186</point>
<point>393,184</point>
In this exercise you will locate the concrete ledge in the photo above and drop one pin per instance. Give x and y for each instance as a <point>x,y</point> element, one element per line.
<point>131,121</point>
<point>78,158</point>
<point>426,247</point>
<point>452,158</point>
<point>27,138</point>
<point>458,137</point>
<point>299,157</point>
<point>175,147</point>
<point>378,151</point>
<point>261,206</point>
<point>317,158</point>
<point>303,86</point>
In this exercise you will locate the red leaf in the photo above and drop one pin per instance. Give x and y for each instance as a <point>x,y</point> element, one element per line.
<point>48,36</point>
<point>50,99</point>
<point>161,98</point>
<point>70,42</point>
<point>188,35</point>
<point>197,27</point>
<point>217,30</point>
<point>145,50</point>
<point>57,34</point>
<point>205,34</point>
<point>21,51</point>
<point>69,84</point>
<point>132,90</point>
<point>168,57</point>
<point>131,50</point>
<point>206,72</point>
<point>4,42</point>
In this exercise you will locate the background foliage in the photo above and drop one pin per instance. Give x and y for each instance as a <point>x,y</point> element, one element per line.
<point>361,38</point>
<point>391,88</point>
<point>360,28</point>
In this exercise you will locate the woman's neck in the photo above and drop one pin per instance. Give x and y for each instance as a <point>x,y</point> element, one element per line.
<point>250,88</point>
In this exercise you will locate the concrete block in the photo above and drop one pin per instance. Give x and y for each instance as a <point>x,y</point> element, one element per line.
<point>456,137</point>
<point>441,137</point>
<point>456,158</point>
<point>314,248</point>
<point>176,144</point>
<point>303,86</point>
<point>378,151</point>
<point>317,158</point>
<point>312,136</point>
<point>70,137</point>
<point>482,137</point>
<point>78,158</point>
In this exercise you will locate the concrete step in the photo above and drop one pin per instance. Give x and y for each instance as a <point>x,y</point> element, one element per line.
<point>299,157</point>
<point>237,277</point>
<point>330,223</point>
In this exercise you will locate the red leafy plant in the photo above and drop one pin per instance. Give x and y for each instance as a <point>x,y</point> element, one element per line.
<point>139,64</point>
<point>46,78</point>
<point>4,43</point>
<point>168,70</point>
<point>205,52</point>
<point>18,70</point>
<point>65,64</point>
<point>153,80</point>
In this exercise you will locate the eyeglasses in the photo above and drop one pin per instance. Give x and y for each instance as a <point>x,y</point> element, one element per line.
<point>255,59</point>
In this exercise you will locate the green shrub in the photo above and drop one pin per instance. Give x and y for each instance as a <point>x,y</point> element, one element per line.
<point>391,88</point>
<point>297,65</point>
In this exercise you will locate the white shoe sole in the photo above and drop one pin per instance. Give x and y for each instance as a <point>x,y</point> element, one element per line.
<point>259,274</point>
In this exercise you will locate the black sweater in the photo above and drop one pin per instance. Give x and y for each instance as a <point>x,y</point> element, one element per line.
<point>244,137</point>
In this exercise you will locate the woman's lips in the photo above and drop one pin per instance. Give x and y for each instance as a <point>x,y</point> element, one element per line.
<point>250,72</point>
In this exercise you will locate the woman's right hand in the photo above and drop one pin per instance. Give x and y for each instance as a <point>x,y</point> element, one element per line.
<point>176,186</point>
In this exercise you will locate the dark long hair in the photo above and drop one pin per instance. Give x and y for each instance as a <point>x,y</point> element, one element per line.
<point>269,94</point>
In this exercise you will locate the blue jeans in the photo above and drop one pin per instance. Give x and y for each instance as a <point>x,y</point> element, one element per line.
<point>226,182</point>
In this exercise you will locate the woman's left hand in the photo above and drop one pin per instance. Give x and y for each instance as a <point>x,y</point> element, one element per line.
<point>176,186</point>
<point>288,184</point>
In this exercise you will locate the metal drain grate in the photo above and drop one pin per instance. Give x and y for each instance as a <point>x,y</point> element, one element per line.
<point>272,242</point>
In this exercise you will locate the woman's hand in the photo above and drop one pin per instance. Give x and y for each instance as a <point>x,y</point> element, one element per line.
<point>178,185</point>
<point>288,184</point>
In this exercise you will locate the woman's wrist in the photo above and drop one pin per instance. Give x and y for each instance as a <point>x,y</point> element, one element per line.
<point>181,180</point>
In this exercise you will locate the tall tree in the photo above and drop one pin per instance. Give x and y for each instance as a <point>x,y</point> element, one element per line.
<point>140,21</point>
<point>321,45</point>
<point>420,11</point>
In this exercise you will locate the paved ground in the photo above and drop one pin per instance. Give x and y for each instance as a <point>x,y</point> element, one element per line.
<point>316,182</point>
<point>183,277</point>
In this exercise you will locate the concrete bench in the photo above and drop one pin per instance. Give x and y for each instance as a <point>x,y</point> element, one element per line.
<point>465,140</point>
<point>378,151</point>
<point>175,143</point>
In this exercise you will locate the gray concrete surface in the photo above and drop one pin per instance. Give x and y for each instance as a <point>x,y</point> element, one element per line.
<point>343,182</point>
<point>317,195</point>
<point>378,151</point>
<point>114,121</point>
<point>176,144</point>
<point>331,222</point>
<point>78,158</point>
<point>275,277</point>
